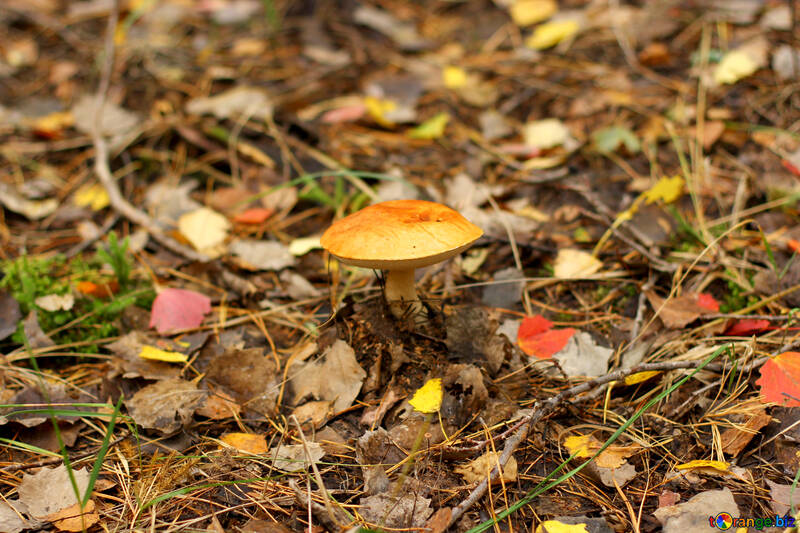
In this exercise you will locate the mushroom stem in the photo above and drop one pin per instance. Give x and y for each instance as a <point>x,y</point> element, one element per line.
<point>401,294</point>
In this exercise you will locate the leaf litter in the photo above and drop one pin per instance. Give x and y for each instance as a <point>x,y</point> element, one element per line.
<point>633,168</point>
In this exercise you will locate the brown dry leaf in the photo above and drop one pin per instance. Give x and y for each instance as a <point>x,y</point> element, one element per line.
<point>246,442</point>
<point>314,414</point>
<point>293,457</point>
<point>128,362</point>
<point>10,314</point>
<point>680,311</point>
<point>586,446</point>
<point>50,490</point>
<point>219,406</point>
<point>782,497</point>
<point>249,102</point>
<point>693,514</point>
<point>408,510</point>
<point>735,439</point>
<point>250,376</point>
<point>335,376</point>
<point>73,518</point>
<point>165,406</point>
<point>479,469</point>
<point>11,520</point>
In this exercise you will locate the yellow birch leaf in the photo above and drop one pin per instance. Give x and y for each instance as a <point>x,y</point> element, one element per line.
<point>640,377</point>
<point>428,398</point>
<point>454,77</point>
<point>93,196</point>
<point>735,65</point>
<point>581,445</point>
<point>205,229</point>
<point>528,12</point>
<point>571,264</point>
<point>554,526</point>
<point>377,109</point>
<point>666,189</point>
<point>722,466</point>
<point>246,442</point>
<point>551,33</point>
<point>154,354</point>
<point>546,133</point>
<point>433,128</point>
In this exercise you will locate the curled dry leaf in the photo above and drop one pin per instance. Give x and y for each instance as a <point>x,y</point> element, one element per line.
<point>479,469</point>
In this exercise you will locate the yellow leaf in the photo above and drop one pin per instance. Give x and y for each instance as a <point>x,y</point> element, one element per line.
<point>428,398</point>
<point>736,65</point>
<point>454,77</point>
<point>722,466</point>
<point>544,134</point>
<point>554,526</point>
<point>303,245</point>
<point>433,128</point>
<point>246,442</point>
<point>571,264</point>
<point>581,445</point>
<point>640,377</point>
<point>93,196</point>
<point>528,12</point>
<point>154,354</point>
<point>666,189</point>
<point>205,229</point>
<point>377,109</point>
<point>551,33</point>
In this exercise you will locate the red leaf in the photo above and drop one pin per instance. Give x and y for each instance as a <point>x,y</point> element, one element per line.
<point>793,245</point>
<point>255,215</point>
<point>788,165</point>
<point>178,309</point>
<point>780,380</point>
<point>536,338</point>
<point>706,301</point>
<point>747,327</point>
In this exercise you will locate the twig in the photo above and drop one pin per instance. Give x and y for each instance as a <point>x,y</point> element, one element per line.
<point>548,406</point>
<point>101,158</point>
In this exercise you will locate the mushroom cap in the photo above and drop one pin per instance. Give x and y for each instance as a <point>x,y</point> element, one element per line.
<point>399,234</point>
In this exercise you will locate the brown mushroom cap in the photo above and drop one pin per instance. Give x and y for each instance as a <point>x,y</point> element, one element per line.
<point>400,234</point>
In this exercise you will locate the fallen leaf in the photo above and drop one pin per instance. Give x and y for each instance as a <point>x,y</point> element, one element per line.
<point>50,490</point>
<point>293,457</point>
<point>219,406</point>
<point>241,101</point>
<point>93,196</point>
<point>607,140</point>
<point>428,398</point>
<point>556,526</point>
<point>747,327</point>
<point>335,376</point>
<point>10,314</point>
<point>573,264</point>
<point>73,518</point>
<point>677,312</point>
<point>11,519</point>
<point>250,376</point>
<point>115,122</point>
<point>736,438</point>
<point>582,356</point>
<point>693,515</point>
<point>478,469</point>
<point>585,446</point>
<point>154,354</point>
<point>254,215</point>
<point>551,33</point>
<point>98,290</point>
<point>246,442</point>
<point>314,414</point>
<point>780,380</point>
<point>665,190</point>
<point>379,109</point>
<point>165,406</point>
<point>702,464</point>
<point>454,77</point>
<point>783,497</point>
<point>55,302</point>
<point>535,337</point>
<point>735,65</point>
<point>528,12</point>
<point>408,510</point>
<point>433,128</point>
<point>178,309</point>
<point>32,209</point>
<point>36,337</point>
<point>303,245</point>
<point>205,229</point>
<point>640,377</point>
<point>402,33</point>
<point>262,255</point>
<point>545,134</point>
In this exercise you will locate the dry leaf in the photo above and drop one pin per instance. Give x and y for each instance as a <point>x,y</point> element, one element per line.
<point>165,406</point>
<point>479,469</point>
<point>246,442</point>
<point>241,101</point>
<point>50,490</point>
<point>572,264</point>
<point>335,376</point>
<point>262,255</point>
<point>73,518</point>
<point>529,12</point>
<point>551,33</point>
<point>293,458</point>
<point>155,354</point>
<point>206,230</point>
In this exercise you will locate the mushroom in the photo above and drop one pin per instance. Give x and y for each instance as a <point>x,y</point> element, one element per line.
<point>399,236</point>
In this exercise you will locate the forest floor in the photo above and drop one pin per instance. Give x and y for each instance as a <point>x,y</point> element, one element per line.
<point>180,354</point>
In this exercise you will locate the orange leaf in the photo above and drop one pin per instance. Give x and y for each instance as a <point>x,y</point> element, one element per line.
<point>246,442</point>
<point>254,215</point>
<point>747,327</point>
<point>98,290</point>
<point>793,245</point>
<point>535,337</point>
<point>780,380</point>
